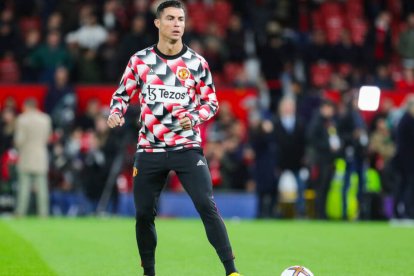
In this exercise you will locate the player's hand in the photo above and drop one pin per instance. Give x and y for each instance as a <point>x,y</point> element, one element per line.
<point>185,123</point>
<point>115,120</point>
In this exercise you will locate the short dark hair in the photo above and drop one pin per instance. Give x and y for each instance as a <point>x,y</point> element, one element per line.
<point>30,103</point>
<point>327,102</point>
<point>169,4</point>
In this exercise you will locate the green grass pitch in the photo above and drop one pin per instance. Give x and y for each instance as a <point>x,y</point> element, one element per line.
<point>99,246</point>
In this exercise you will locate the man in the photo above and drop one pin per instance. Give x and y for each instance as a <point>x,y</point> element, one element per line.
<point>290,143</point>
<point>406,43</point>
<point>33,129</point>
<point>325,144</point>
<point>404,192</point>
<point>353,133</point>
<point>176,94</point>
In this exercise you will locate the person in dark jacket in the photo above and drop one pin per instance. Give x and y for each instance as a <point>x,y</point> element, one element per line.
<point>378,41</point>
<point>353,133</point>
<point>404,194</point>
<point>290,140</point>
<point>262,141</point>
<point>324,145</point>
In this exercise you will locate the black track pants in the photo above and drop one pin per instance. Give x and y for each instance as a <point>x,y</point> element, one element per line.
<point>191,168</point>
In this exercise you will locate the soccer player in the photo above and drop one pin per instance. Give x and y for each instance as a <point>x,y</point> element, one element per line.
<point>176,94</point>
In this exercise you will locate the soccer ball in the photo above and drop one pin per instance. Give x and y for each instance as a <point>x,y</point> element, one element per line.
<point>296,270</point>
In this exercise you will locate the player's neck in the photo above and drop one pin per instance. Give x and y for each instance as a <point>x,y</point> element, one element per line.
<point>170,48</point>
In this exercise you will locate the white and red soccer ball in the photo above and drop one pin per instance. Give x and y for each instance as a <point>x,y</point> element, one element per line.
<point>297,270</point>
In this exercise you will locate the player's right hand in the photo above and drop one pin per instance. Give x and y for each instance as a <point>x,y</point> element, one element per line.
<point>115,120</point>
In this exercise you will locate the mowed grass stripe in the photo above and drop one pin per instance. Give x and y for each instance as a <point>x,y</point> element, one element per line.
<point>83,246</point>
<point>327,248</point>
<point>18,257</point>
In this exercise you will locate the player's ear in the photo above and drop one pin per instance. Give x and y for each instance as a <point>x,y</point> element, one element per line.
<point>157,23</point>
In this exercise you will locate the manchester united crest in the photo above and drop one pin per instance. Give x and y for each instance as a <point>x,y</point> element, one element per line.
<point>183,73</point>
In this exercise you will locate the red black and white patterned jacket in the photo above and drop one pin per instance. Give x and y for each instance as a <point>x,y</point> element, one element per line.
<point>169,88</point>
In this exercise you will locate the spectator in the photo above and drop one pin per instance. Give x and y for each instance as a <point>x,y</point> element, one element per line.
<point>214,153</point>
<point>86,121</point>
<point>213,53</point>
<point>404,194</point>
<point>264,168</point>
<point>49,56</point>
<point>290,143</point>
<point>382,150</point>
<point>7,128</point>
<point>63,198</point>
<point>235,40</point>
<point>137,38</point>
<point>107,140</point>
<point>217,130</point>
<point>90,35</point>
<point>318,48</point>
<point>272,56</point>
<point>33,128</point>
<point>87,67</point>
<point>94,172</point>
<point>9,40</point>
<point>383,78</point>
<point>345,52</point>
<point>31,43</point>
<point>406,43</point>
<point>60,100</point>
<point>378,43</point>
<point>58,89</point>
<point>55,23</point>
<point>108,58</point>
<point>9,68</point>
<point>354,137</point>
<point>324,144</point>
<point>110,15</point>
<point>234,164</point>
<point>406,84</point>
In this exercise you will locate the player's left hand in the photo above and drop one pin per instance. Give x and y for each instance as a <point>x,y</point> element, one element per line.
<point>185,123</point>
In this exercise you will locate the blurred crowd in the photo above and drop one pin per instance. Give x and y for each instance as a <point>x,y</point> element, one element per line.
<point>290,51</point>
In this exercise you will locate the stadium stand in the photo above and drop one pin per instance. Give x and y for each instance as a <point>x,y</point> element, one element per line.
<point>306,49</point>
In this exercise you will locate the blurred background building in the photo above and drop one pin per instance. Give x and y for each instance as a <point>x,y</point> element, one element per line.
<point>313,156</point>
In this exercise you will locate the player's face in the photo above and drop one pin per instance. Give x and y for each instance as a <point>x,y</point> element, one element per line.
<point>171,23</point>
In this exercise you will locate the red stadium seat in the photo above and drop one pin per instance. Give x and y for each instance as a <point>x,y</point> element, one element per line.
<point>334,26</point>
<point>199,14</point>
<point>221,12</point>
<point>29,23</point>
<point>231,71</point>
<point>344,69</point>
<point>358,29</point>
<point>320,74</point>
<point>331,9</point>
<point>317,20</point>
<point>354,9</point>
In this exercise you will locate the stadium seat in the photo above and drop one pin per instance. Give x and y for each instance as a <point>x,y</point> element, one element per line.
<point>320,74</point>
<point>331,9</point>
<point>221,13</point>
<point>358,29</point>
<point>344,69</point>
<point>354,9</point>
<point>231,71</point>
<point>199,16</point>
<point>29,23</point>
<point>317,20</point>
<point>334,26</point>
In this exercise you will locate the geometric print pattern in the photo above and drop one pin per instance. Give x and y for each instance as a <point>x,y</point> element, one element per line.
<point>168,88</point>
